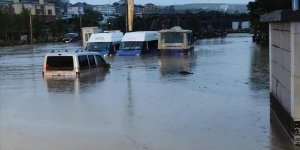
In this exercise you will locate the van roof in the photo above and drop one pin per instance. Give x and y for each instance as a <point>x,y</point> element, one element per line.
<point>141,36</point>
<point>176,29</point>
<point>106,37</point>
<point>72,53</point>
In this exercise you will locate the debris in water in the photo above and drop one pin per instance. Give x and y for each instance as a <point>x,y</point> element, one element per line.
<point>185,72</point>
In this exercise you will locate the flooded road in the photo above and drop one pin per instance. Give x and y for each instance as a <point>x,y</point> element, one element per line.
<point>142,103</point>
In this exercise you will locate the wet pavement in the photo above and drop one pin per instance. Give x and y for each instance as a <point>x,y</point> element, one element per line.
<point>142,103</point>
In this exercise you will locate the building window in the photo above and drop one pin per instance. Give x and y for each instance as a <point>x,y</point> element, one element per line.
<point>49,12</point>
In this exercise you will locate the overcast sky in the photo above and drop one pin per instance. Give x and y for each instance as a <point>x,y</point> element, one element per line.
<point>163,2</point>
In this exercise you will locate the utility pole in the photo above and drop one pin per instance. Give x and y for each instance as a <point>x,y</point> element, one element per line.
<point>130,13</point>
<point>126,15</point>
<point>30,24</point>
<point>80,21</point>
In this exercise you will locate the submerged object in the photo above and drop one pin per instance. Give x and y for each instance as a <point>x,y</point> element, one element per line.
<point>185,72</point>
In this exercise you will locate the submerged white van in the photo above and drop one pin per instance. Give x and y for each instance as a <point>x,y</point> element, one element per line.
<point>72,64</point>
<point>139,42</point>
<point>105,43</point>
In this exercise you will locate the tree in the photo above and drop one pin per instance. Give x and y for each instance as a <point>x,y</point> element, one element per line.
<point>39,26</point>
<point>91,17</point>
<point>260,7</point>
<point>119,23</point>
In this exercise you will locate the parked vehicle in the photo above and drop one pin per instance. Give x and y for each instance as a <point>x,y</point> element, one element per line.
<point>70,37</point>
<point>175,40</point>
<point>137,43</point>
<point>105,43</point>
<point>72,64</point>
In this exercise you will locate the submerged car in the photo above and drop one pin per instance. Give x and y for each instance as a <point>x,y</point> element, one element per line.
<point>73,64</point>
<point>70,37</point>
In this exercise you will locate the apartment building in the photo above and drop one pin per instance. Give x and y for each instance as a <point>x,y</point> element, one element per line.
<point>36,7</point>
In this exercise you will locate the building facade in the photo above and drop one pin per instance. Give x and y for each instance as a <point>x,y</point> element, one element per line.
<point>75,10</point>
<point>60,6</point>
<point>36,7</point>
<point>149,7</point>
<point>105,9</point>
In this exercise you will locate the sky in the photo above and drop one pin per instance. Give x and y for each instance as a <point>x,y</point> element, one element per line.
<point>163,2</point>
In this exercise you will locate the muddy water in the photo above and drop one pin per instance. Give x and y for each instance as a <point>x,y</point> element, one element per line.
<point>142,102</point>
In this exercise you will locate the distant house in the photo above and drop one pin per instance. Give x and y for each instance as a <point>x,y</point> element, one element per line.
<point>36,7</point>
<point>75,10</point>
<point>105,9</point>
<point>240,25</point>
<point>149,7</point>
<point>60,6</point>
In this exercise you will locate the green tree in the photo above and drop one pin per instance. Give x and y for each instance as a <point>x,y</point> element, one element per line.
<point>91,17</point>
<point>39,26</point>
<point>260,7</point>
<point>119,23</point>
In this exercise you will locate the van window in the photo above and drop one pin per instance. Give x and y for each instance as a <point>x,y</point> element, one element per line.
<point>172,37</point>
<point>59,63</point>
<point>94,46</point>
<point>100,61</point>
<point>83,62</point>
<point>92,61</point>
<point>131,45</point>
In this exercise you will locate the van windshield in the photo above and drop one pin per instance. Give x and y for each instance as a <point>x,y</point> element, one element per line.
<point>131,45</point>
<point>97,46</point>
<point>59,63</point>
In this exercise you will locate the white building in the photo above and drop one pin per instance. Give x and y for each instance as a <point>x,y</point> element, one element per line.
<point>105,9</point>
<point>36,8</point>
<point>243,25</point>
<point>224,7</point>
<point>75,10</point>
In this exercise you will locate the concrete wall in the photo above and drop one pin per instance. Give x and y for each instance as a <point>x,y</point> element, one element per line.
<point>284,29</point>
<point>295,74</point>
<point>285,65</point>
<point>280,63</point>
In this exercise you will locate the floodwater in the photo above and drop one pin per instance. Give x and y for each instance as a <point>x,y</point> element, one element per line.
<point>142,103</point>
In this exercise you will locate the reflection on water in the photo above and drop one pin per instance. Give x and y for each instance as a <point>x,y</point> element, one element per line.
<point>172,65</point>
<point>259,73</point>
<point>76,85</point>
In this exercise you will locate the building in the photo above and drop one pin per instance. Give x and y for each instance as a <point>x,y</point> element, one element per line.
<point>149,7</point>
<point>240,25</point>
<point>60,6</point>
<point>36,7</point>
<point>224,7</point>
<point>122,2</point>
<point>139,9</point>
<point>75,10</point>
<point>105,9</point>
<point>6,1</point>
